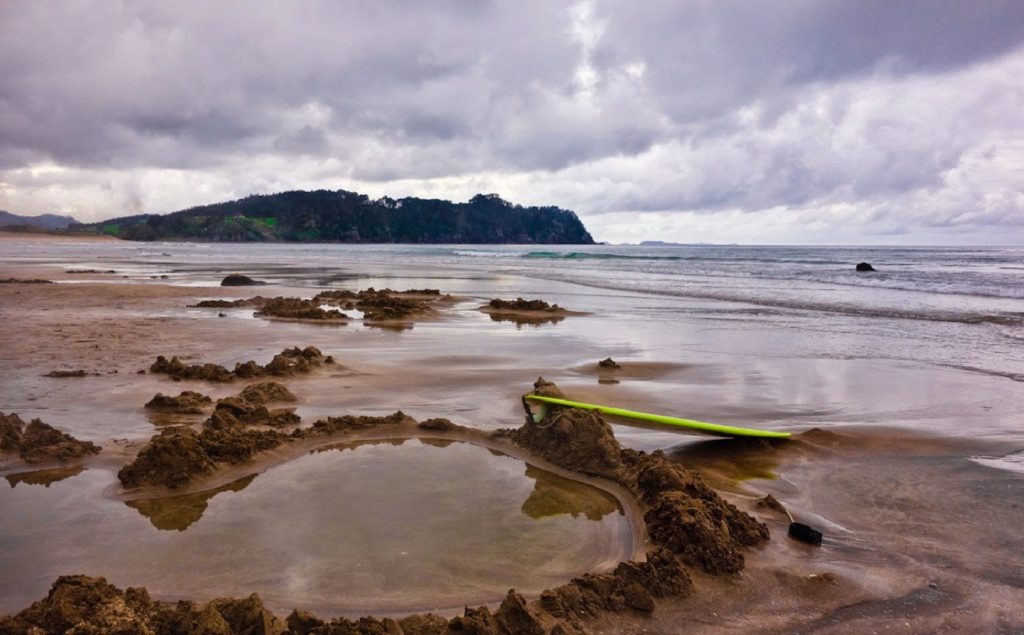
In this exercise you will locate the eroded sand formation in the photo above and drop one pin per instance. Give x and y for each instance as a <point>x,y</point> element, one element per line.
<point>385,304</point>
<point>37,442</point>
<point>299,309</point>
<point>291,361</point>
<point>279,308</point>
<point>235,433</point>
<point>229,304</point>
<point>231,435</point>
<point>80,604</point>
<point>25,281</point>
<point>688,524</point>
<point>523,311</point>
<point>682,513</point>
<point>266,392</point>
<point>63,374</point>
<point>188,402</point>
<point>520,304</point>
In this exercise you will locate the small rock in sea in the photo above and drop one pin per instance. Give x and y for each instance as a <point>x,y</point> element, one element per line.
<point>863,266</point>
<point>608,362</point>
<point>238,280</point>
<point>222,315</point>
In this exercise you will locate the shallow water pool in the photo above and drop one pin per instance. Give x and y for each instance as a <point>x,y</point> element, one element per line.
<point>382,527</point>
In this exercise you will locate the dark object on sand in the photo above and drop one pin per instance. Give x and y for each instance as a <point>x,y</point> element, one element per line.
<point>290,361</point>
<point>68,373</point>
<point>520,304</point>
<point>863,266</point>
<point>803,533</point>
<point>188,402</point>
<point>238,280</point>
<point>24,281</point>
<point>608,362</point>
<point>299,309</point>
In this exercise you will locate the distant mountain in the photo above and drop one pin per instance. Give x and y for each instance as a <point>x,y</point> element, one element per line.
<point>46,221</point>
<point>340,216</point>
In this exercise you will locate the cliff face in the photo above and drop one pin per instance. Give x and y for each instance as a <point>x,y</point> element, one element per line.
<point>340,216</point>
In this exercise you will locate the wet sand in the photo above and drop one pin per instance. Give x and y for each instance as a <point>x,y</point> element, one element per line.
<point>918,537</point>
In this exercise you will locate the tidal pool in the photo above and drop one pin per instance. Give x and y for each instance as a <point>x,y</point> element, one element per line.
<point>382,527</point>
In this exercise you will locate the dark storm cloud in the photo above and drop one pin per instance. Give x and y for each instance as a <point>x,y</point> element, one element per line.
<point>658,106</point>
<point>88,83</point>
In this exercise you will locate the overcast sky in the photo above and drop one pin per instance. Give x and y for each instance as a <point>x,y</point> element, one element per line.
<point>845,121</point>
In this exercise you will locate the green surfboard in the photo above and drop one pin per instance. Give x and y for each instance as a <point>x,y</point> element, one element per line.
<point>698,426</point>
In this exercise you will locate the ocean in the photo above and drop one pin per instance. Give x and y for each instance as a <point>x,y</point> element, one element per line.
<point>950,306</point>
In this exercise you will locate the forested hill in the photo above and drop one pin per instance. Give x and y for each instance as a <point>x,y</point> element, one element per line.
<point>44,221</point>
<point>339,216</point>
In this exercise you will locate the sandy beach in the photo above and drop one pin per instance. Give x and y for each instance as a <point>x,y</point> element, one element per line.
<point>887,458</point>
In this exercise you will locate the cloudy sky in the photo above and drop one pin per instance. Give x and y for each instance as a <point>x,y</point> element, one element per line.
<point>824,121</point>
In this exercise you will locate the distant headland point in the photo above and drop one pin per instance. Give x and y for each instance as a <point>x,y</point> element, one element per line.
<point>349,217</point>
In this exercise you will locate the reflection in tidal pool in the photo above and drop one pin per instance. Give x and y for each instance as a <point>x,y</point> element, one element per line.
<point>180,512</point>
<point>374,528</point>
<point>45,477</point>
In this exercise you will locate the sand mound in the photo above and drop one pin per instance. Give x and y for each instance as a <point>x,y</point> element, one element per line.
<point>520,311</point>
<point>520,304</point>
<point>38,442</point>
<point>682,513</point>
<point>25,281</point>
<point>62,374</point>
<point>229,304</point>
<point>232,411</point>
<point>178,370</point>
<point>188,402</point>
<point>80,604</point>
<point>384,305</point>
<point>291,361</point>
<point>299,309</point>
<point>349,423</point>
<point>176,456</point>
<point>577,440</point>
<point>266,392</point>
<point>633,585</point>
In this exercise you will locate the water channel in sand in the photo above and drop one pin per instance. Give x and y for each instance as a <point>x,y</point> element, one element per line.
<point>377,527</point>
